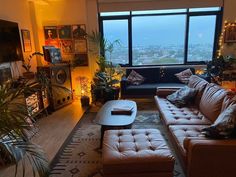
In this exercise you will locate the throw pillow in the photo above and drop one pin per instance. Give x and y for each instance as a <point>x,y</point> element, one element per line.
<point>224,126</point>
<point>184,76</point>
<point>135,78</point>
<point>182,96</point>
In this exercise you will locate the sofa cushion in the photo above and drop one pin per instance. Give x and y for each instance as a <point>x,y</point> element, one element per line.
<point>182,96</point>
<point>143,89</point>
<point>173,115</point>
<point>229,100</point>
<point>171,85</point>
<point>181,132</point>
<point>211,101</point>
<point>167,74</point>
<point>224,125</point>
<point>135,78</point>
<point>199,84</point>
<point>184,76</point>
<point>151,75</point>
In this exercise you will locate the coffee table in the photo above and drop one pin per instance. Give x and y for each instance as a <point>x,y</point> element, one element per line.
<point>109,121</point>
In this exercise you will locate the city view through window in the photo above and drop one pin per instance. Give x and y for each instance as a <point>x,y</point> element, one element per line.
<point>161,39</point>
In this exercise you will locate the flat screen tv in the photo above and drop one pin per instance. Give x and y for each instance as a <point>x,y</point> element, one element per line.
<point>10,43</point>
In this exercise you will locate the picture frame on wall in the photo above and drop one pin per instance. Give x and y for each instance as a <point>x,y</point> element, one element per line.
<point>230,33</point>
<point>67,46</point>
<point>26,40</point>
<point>71,39</point>
<point>80,46</point>
<point>64,32</point>
<point>51,36</point>
<point>50,32</point>
<point>79,31</point>
<point>81,60</point>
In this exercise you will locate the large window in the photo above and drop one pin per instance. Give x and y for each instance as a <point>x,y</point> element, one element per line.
<point>116,34</point>
<point>162,43</point>
<point>162,37</point>
<point>201,38</point>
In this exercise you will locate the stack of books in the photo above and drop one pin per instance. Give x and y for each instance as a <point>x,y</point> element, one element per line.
<point>122,110</point>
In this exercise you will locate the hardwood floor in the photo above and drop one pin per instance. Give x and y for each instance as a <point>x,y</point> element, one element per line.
<point>53,131</point>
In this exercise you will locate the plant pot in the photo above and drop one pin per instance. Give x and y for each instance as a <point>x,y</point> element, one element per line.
<point>28,75</point>
<point>84,101</point>
<point>116,92</point>
<point>109,95</point>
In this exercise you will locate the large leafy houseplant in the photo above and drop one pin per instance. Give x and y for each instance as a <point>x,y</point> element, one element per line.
<point>15,127</point>
<point>107,76</point>
<point>221,68</point>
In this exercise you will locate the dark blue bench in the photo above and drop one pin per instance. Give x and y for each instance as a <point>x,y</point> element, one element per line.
<point>162,77</point>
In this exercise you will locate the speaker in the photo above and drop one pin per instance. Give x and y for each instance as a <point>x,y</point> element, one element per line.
<point>60,84</point>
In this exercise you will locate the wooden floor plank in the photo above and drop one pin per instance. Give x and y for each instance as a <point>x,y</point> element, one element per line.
<point>53,131</point>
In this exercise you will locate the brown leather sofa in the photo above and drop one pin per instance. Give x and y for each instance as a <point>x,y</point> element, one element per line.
<point>200,156</point>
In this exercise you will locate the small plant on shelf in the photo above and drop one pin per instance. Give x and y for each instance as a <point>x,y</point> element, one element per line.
<point>26,64</point>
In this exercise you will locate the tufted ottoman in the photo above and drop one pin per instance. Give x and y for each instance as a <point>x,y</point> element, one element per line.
<point>136,153</point>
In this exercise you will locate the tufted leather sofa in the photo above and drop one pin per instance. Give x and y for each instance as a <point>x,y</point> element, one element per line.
<point>136,153</point>
<point>200,156</point>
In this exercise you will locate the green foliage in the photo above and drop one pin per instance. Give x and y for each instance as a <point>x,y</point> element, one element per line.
<point>107,75</point>
<point>15,126</point>
<point>221,68</point>
<point>26,63</point>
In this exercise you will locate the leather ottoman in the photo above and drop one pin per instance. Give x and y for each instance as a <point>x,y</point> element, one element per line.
<point>136,153</point>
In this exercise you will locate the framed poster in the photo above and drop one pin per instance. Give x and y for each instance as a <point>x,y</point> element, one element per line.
<point>51,36</point>
<point>81,60</point>
<point>80,45</point>
<point>230,33</point>
<point>79,31</point>
<point>66,46</point>
<point>50,32</point>
<point>26,40</point>
<point>64,32</point>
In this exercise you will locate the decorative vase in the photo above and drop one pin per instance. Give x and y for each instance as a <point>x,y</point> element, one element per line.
<point>84,101</point>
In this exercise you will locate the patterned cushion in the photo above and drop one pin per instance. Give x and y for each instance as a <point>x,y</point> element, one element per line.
<point>184,75</point>
<point>182,96</point>
<point>135,78</point>
<point>224,125</point>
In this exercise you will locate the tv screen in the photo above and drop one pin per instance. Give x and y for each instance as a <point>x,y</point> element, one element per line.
<point>10,43</point>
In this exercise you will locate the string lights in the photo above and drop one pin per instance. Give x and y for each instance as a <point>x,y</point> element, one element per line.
<point>226,26</point>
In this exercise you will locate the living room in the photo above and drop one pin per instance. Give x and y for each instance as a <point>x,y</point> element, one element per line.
<point>159,45</point>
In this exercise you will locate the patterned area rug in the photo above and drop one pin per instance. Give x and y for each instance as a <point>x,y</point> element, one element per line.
<point>80,155</point>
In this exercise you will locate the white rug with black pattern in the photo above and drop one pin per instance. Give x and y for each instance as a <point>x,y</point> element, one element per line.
<point>80,155</point>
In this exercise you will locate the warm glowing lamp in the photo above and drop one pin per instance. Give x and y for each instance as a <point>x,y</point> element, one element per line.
<point>84,91</point>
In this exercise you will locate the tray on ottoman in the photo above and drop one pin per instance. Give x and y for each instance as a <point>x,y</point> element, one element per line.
<point>136,153</point>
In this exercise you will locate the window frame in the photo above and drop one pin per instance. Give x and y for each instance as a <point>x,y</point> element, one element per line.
<point>218,28</point>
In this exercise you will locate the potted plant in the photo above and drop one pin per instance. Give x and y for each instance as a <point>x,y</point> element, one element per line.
<point>15,126</point>
<point>222,68</point>
<point>27,65</point>
<point>107,77</point>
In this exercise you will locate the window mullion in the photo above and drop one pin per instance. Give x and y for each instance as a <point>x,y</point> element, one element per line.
<point>130,41</point>
<point>217,33</point>
<point>186,40</point>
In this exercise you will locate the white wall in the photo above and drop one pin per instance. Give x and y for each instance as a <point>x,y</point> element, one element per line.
<point>17,11</point>
<point>68,12</point>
